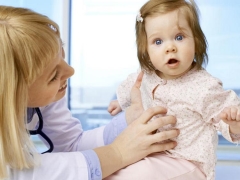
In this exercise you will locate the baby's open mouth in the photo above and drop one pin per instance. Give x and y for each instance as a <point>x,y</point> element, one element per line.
<point>172,61</point>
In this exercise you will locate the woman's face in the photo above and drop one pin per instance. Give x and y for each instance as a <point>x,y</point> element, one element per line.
<point>52,84</point>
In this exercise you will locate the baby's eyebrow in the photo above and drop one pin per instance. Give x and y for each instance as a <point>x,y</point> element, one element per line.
<point>183,28</point>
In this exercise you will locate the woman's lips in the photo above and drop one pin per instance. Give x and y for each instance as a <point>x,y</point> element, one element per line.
<point>62,88</point>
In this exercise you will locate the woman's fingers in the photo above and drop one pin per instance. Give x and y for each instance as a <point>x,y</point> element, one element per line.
<point>164,135</point>
<point>160,122</point>
<point>135,91</point>
<point>136,107</point>
<point>159,147</point>
<point>149,113</point>
<point>139,80</point>
<point>137,140</point>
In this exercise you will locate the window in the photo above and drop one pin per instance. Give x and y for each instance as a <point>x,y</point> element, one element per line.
<point>103,53</point>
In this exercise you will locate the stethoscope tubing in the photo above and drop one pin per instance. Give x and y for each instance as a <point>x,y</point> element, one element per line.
<point>39,131</point>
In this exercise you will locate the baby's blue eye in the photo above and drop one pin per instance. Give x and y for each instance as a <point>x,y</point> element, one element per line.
<point>157,42</point>
<point>179,38</point>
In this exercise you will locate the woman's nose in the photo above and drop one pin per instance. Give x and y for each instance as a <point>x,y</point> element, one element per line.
<point>68,70</point>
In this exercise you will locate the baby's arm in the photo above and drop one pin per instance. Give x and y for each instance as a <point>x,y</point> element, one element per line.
<point>114,107</point>
<point>231,116</point>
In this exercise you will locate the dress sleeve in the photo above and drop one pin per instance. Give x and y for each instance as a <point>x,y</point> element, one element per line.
<point>224,129</point>
<point>68,138</point>
<point>75,158</point>
<point>94,167</point>
<point>60,166</point>
<point>214,101</point>
<point>114,128</point>
<point>66,132</point>
<point>124,89</point>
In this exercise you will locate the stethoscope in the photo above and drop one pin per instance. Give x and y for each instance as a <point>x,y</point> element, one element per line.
<point>39,131</point>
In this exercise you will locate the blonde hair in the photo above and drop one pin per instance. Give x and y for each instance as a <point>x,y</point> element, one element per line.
<point>28,42</point>
<point>156,7</point>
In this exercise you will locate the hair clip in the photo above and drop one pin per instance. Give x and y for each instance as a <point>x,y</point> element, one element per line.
<point>139,17</point>
<point>52,27</point>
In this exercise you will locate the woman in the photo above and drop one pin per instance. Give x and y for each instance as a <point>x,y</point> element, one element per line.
<point>33,77</point>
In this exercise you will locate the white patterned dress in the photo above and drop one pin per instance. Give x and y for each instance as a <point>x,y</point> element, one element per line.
<point>195,99</point>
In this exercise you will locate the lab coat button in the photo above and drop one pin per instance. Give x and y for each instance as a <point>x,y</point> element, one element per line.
<point>97,172</point>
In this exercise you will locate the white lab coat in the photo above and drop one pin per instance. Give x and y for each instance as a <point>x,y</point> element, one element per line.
<point>68,137</point>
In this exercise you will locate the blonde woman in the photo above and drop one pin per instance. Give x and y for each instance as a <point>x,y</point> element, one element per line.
<point>33,82</point>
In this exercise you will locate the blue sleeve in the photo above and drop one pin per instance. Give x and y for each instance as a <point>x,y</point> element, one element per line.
<point>114,128</point>
<point>94,167</point>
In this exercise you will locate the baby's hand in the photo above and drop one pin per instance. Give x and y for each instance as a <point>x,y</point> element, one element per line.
<point>114,107</point>
<point>231,116</point>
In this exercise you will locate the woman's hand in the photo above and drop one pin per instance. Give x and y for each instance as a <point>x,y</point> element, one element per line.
<point>136,108</point>
<point>137,140</point>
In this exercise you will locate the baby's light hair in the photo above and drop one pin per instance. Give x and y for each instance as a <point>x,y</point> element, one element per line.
<point>157,7</point>
<point>28,43</point>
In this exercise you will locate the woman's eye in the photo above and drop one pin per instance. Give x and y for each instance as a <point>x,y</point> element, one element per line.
<point>55,77</point>
<point>157,42</point>
<point>179,38</point>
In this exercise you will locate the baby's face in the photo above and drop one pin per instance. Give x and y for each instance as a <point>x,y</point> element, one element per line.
<point>171,45</point>
<point>52,84</point>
